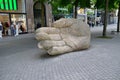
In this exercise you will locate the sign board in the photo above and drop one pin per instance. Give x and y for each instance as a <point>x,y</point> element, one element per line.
<point>8,4</point>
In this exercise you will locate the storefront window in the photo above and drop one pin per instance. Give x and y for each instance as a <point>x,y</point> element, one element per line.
<point>19,19</point>
<point>13,12</point>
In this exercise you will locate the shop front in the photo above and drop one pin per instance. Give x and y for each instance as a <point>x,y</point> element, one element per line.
<point>13,12</point>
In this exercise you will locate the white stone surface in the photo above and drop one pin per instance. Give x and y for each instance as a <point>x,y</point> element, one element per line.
<point>65,35</point>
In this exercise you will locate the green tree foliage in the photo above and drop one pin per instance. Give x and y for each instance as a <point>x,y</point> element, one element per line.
<point>81,3</point>
<point>113,4</point>
<point>75,3</point>
<point>67,4</point>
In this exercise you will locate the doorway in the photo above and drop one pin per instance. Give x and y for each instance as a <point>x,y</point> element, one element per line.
<point>38,15</point>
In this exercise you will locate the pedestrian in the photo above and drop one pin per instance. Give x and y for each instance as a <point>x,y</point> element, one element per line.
<point>17,29</point>
<point>92,23</point>
<point>38,25</point>
<point>1,28</point>
<point>12,27</point>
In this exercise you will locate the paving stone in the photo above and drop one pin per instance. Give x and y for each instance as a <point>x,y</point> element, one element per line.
<point>100,62</point>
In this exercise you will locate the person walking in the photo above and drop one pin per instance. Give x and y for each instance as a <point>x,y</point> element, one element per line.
<point>12,27</point>
<point>17,29</point>
<point>1,28</point>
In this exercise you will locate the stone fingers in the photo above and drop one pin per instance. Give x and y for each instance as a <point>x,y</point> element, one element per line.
<point>59,50</point>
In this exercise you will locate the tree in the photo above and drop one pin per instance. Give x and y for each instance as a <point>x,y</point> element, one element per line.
<point>113,4</point>
<point>99,4</point>
<point>105,17</point>
<point>76,3</point>
<point>118,24</point>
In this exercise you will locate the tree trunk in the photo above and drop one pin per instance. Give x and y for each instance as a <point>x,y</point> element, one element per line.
<point>105,17</point>
<point>118,24</point>
<point>42,15</point>
<point>75,8</point>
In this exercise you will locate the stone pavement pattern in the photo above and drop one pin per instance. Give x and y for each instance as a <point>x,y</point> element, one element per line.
<point>100,62</point>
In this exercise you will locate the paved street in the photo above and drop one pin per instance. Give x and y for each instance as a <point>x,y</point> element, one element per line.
<point>20,59</point>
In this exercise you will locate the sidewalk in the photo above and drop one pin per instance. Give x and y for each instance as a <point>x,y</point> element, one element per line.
<point>110,27</point>
<point>100,62</point>
<point>20,36</point>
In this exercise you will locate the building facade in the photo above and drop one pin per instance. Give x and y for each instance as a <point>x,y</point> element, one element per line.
<point>13,11</point>
<point>22,12</point>
<point>30,15</point>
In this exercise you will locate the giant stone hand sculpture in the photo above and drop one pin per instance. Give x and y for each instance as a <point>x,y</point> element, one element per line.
<point>65,35</point>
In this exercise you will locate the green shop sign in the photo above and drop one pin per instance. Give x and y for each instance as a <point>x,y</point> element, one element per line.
<point>8,4</point>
